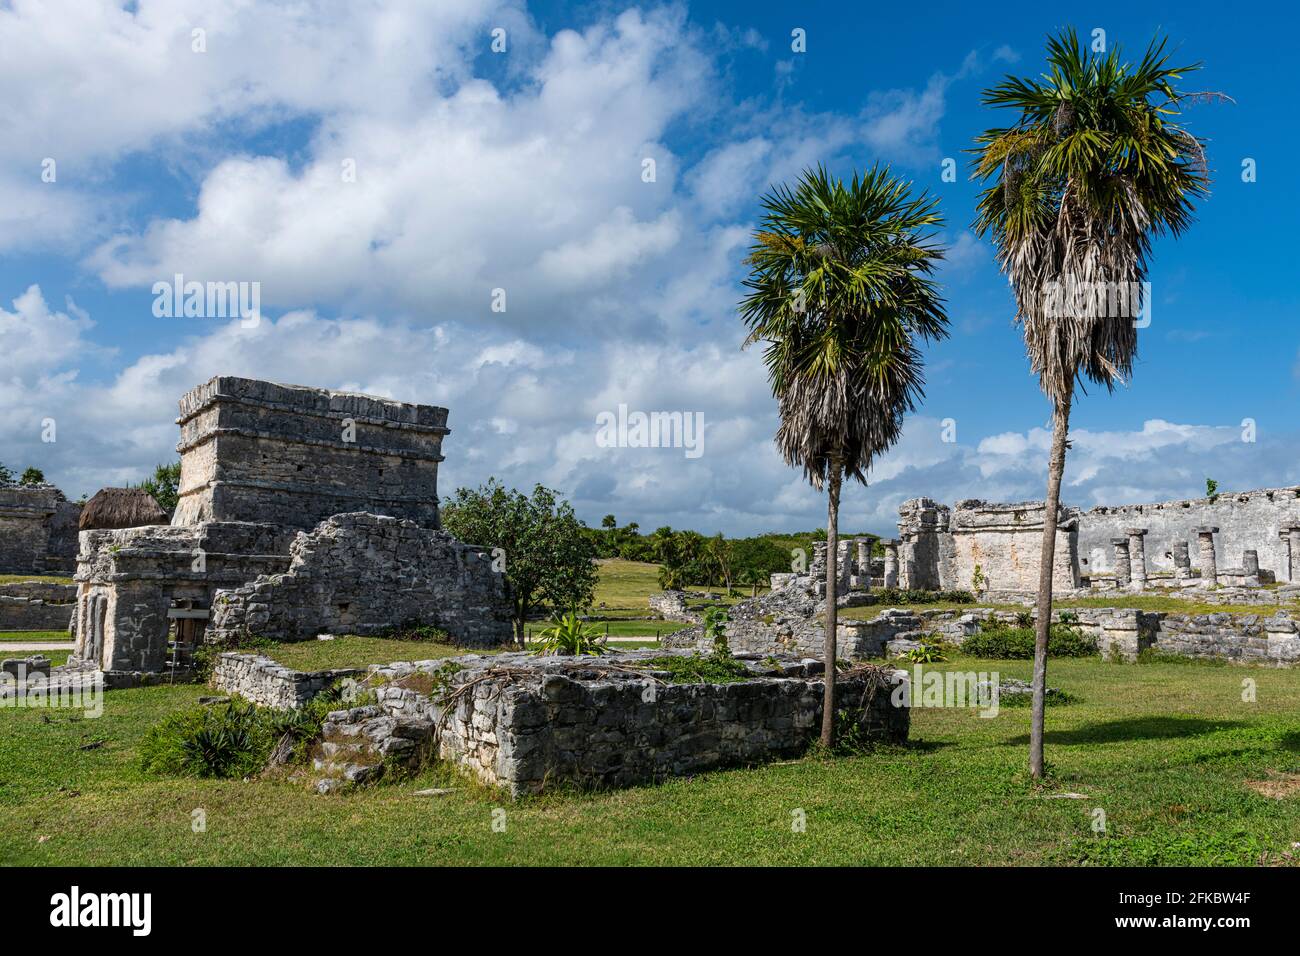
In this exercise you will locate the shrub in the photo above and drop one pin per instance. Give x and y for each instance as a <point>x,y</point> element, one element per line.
<point>914,596</point>
<point>226,741</point>
<point>715,629</point>
<point>1000,642</point>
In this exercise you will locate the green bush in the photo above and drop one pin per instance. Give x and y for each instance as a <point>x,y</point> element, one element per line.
<point>1001,642</point>
<point>236,739</point>
<point>233,740</point>
<point>902,597</point>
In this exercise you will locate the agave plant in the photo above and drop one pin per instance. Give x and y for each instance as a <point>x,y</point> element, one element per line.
<point>570,635</point>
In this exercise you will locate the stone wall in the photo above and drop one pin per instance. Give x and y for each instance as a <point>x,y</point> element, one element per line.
<point>1247,521</point>
<point>671,606</point>
<point>128,580</point>
<point>1123,633</point>
<point>365,574</point>
<point>263,681</point>
<point>789,621</point>
<point>531,723</point>
<point>38,530</point>
<point>27,614</point>
<point>290,455</point>
<point>1005,541</point>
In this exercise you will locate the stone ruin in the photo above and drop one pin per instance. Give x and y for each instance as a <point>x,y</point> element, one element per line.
<point>995,548</point>
<point>527,724</point>
<point>38,530</point>
<point>301,510</point>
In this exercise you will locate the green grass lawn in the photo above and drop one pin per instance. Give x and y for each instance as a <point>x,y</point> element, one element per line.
<point>47,578</point>
<point>625,585</point>
<point>352,651</point>
<point>1167,751</point>
<point>33,636</point>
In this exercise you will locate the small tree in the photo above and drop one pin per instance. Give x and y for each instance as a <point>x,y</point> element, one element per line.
<point>32,477</point>
<point>545,550</point>
<point>6,476</point>
<point>165,486</point>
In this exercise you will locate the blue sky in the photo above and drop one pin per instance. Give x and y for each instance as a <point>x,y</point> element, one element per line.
<point>522,170</point>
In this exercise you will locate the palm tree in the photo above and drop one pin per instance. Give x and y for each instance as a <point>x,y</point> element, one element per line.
<point>840,289</point>
<point>1092,170</point>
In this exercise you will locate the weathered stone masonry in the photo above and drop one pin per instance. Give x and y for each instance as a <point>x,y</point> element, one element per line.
<point>263,681</point>
<point>554,721</point>
<point>262,466</point>
<point>290,455</point>
<point>364,574</point>
<point>38,531</point>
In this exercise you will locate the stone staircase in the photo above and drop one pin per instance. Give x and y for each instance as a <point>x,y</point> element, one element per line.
<point>361,744</point>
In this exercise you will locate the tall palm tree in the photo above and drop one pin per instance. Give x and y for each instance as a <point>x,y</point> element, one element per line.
<point>840,290</point>
<point>1092,170</point>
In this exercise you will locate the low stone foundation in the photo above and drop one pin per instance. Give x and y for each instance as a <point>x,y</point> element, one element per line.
<point>25,614</point>
<point>261,680</point>
<point>530,723</point>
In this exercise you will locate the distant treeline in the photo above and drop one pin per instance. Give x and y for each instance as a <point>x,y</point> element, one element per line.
<point>689,558</point>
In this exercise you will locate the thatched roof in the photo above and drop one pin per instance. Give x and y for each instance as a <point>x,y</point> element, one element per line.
<point>121,508</point>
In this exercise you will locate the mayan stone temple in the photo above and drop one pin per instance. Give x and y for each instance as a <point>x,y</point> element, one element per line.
<point>302,511</point>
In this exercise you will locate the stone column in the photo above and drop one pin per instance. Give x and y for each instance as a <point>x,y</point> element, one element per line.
<point>891,563</point>
<point>817,569</point>
<point>1123,568</point>
<point>864,563</point>
<point>1209,567</point>
<point>1293,541</point>
<point>844,565</point>
<point>1250,565</point>
<point>1137,554</point>
<point>1182,561</point>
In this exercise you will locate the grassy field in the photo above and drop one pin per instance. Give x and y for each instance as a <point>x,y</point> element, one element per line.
<point>352,651</point>
<point>1169,752</point>
<point>34,636</point>
<point>47,578</point>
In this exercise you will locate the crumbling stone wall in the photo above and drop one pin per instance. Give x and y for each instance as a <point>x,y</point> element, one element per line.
<point>671,606</point>
<point>33,614</point>
<point>291,455</point>
<point>129,579</point>
<point>38,530</point>
<point>531,723</point>
<point>364,574</point>
<point>1250,520</point>
<point>261,680</point>
<point>1006,542</point>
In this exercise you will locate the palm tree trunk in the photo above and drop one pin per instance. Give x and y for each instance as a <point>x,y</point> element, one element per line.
<point>1047,564</point>
<point>832,612</point>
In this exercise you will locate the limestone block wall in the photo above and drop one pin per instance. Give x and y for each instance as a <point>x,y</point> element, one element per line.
<point>563,724</point>
<point>1246,521</point>
<point>671,606</point>
<point>286,454</point>
<point>127,580</point>
<point>33,614</point>
<point>1005,541</point>
<point>38,531</point>
<point>263,681</point>
<point>364,574</point>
